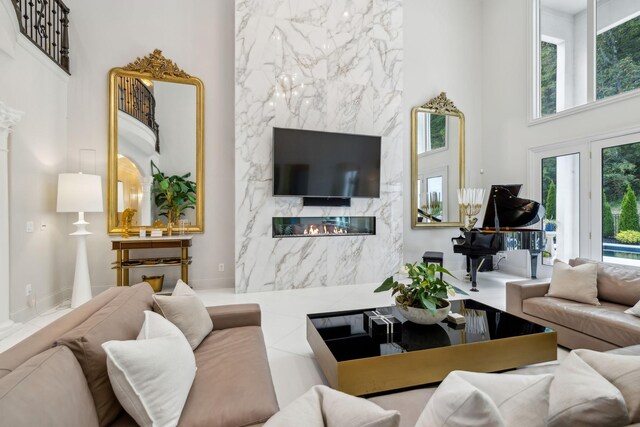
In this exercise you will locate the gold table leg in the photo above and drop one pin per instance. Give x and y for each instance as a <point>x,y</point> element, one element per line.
<point>119,267</point>
<point>125,271</point>
<point>185,265</point>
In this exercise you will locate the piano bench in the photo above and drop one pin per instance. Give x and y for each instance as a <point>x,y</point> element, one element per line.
<point>433,258</point>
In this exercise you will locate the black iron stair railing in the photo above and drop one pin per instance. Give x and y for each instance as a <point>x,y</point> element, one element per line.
<point>46,24</point>
<point>135,99</point>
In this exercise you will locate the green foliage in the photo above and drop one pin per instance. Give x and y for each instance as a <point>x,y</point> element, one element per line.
<point>607,218</point>
<point>618,59</point>
<point>438,131</point>
<point>173,194</point>
<point>630,237</point>
<point>550,203</point>
<point>620,168</point>
<point>426,289</point>
<point>548,77</point>
<point>629,213</point>
<point>549,166</point>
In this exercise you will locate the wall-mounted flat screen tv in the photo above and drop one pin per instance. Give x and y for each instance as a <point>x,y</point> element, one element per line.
<point>325,164</point>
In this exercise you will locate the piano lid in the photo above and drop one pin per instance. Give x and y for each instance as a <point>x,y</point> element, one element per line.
<point>512,211</point>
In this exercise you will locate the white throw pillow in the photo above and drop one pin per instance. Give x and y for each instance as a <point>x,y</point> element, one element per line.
<point>579,283</point>
<point>144,373</point>
<point>621,370</point>
<point>580,396</point>
<point>322,406</point>
<point>635,310</point>
<point>468,399</point>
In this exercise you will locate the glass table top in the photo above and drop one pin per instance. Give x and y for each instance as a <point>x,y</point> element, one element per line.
<point>345,336</point>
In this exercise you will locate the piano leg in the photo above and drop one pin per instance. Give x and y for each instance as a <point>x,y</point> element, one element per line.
<point>475,264</point>
<point>534,264</point>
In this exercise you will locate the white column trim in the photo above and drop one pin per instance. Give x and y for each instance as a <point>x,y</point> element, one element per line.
<point>8,119</point>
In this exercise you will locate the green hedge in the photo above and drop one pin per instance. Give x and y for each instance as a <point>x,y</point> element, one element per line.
<point>629,237</point>
<point>607,218</point>
<point>629,212</point>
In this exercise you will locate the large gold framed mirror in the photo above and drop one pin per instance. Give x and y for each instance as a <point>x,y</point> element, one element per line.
<point>437,163</point>
<point>156,147</point>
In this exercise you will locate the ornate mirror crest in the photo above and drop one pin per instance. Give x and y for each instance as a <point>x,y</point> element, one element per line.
<point>441,105</point>
<point>157,65</point>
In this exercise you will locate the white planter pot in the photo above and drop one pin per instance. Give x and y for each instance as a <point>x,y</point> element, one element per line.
<point>423,316</point>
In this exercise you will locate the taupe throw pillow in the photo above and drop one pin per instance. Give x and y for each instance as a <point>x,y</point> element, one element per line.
<point>580,396</point>
<point>323,406</point>
<point>188,313</point>
<point>635,310</point>
<point>578,283</point>
<point>621,370</point>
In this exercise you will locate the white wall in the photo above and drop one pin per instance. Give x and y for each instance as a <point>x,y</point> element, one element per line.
<point>199,37</point>
<point>442,52</point>
<point>31,83</point>
<point>506,134</point>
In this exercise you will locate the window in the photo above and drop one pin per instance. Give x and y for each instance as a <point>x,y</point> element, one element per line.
<point>586,50</point>
<point>434,129</point>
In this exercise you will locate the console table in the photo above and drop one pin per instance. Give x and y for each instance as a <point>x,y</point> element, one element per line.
<point>124,262</point>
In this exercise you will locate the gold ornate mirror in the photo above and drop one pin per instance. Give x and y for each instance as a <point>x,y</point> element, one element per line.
<point>156,147</point>
<point>437,163</point>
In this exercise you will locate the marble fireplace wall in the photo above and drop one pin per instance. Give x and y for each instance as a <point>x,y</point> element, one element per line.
<point>332,65</point>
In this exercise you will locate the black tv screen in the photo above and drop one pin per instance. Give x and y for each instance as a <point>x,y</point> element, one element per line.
<point>324,164</point>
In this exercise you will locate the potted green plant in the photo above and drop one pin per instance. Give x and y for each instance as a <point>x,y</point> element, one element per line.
<point>173,194</point>
<point>424,300</point>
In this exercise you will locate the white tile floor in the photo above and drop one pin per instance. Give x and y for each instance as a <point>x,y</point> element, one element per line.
<point>293,366</point>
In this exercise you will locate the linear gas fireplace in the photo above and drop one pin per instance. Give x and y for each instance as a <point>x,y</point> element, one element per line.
<point>324,226</point>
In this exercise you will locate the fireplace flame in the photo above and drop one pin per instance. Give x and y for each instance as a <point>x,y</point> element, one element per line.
<point>314,230</point>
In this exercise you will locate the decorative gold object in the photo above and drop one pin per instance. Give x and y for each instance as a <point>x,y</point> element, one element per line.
<point>157,65</point>
<point>157,224</point>
<point>154,67</point>
<point>156,282</point>
<point>127,217</point>
<point>470,201</point>
<point>441,105</point>
<point>438,106</point>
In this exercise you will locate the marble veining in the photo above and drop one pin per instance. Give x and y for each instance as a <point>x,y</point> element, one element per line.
<point>333,65</point>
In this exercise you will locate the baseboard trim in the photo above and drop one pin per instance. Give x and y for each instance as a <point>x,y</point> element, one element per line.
<point>43,305</point>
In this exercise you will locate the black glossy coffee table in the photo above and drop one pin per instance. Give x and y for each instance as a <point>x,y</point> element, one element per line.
<point>490,341</point>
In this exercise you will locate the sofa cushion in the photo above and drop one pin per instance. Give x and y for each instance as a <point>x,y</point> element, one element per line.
<point>233,384</point>
<point>46,337</point>
<point>578,283</point>
<point>409,403</point>
<point>47,390</point>
<point>607,322</point>
<point>580,396</point>
<point>616,283</point>
<point>466,399</point>
<point>152,375</point>
<point>188,313</point>
<point>623,371</point>
<point>322,406</point>
<point>121,319</point>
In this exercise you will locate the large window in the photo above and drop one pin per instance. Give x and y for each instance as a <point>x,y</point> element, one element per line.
<point>587,50</point>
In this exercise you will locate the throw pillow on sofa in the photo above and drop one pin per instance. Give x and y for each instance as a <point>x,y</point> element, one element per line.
<point>580,396</point>
<point>635,310</point>
<point>622,371</point>
<point>188,313</point>
<point>466,399</point>
<point>578,283</point>
<point>152,375</point>
<point>322,406</point>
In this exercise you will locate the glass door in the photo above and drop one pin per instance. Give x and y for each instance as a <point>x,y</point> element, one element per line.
<point>616,184</point>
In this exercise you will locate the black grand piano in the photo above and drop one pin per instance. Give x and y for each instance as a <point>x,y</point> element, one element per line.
<point>502,230</point>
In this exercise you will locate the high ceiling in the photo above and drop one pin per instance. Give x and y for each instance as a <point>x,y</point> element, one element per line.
<point>567,6</point>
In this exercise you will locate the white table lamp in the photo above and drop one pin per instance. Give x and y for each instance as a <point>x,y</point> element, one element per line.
<point>121,206</point>
<point>80,193</point>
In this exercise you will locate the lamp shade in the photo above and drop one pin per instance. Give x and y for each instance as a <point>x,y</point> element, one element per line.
<point>120,187</point>
<point>79,192</point>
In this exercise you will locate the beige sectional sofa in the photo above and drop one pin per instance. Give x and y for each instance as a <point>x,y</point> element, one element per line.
<point>580,325</point>
<point>57,377</point>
